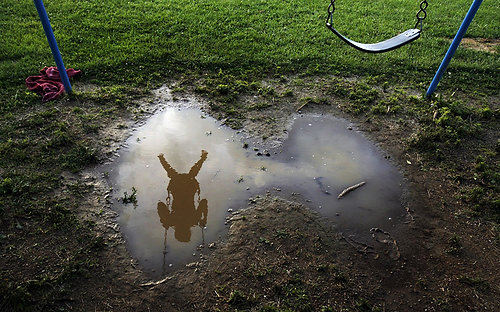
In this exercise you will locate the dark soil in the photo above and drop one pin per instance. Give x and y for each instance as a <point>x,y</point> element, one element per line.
<point>279,255</point>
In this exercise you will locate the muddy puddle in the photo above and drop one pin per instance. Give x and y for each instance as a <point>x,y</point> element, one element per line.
<point>189,173</point>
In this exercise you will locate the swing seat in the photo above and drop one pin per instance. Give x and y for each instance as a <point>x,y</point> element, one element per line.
<point>382,46</point>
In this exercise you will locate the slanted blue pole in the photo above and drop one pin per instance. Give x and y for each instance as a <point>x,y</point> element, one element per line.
<point>53,44</point>
<point>454,45</point>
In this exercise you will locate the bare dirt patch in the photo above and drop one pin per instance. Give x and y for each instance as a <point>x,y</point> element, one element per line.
<point>489,45</point>
<point>279,255</point>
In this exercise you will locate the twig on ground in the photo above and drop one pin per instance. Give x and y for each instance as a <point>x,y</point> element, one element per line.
<point>350,189</point>
<point>301,107</point>
<point>150,284</point>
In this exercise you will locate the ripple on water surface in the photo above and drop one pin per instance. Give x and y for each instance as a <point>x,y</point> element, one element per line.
<point>188,170</point>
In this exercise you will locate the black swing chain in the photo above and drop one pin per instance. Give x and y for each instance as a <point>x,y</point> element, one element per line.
<point>331,9</point>
<point>421,14</point>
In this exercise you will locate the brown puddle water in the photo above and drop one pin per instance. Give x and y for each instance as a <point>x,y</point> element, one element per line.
<point>188,170</point>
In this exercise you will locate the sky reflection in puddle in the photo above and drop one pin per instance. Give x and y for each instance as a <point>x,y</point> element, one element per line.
<point>189,170</point>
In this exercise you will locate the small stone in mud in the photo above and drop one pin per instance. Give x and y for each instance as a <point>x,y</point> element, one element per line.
<point>255,149</point>
<point>268,154</point>
<point>349,128</point>
<point>337,214</point>
<point>259,154</point>
<point>212,245</point>
<point>245,145</point>
<point>230,210</point>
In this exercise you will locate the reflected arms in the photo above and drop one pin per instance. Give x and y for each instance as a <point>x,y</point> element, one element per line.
<point>170,171</point>
<point>197,167</point>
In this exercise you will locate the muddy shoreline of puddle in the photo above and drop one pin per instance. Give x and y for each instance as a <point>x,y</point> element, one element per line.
<point>176,216</point>
<point>275,248</point>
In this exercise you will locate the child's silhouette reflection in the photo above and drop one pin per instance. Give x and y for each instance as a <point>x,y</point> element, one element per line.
<point>179,210</point>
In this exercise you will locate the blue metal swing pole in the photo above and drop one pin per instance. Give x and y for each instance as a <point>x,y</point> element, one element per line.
<point>53,44</point>
<point>454,45</point>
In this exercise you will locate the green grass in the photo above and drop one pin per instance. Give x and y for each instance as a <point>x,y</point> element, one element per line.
<point>143,41</point>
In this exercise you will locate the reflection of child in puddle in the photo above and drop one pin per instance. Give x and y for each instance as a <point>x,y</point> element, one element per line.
<point>182,189</point>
